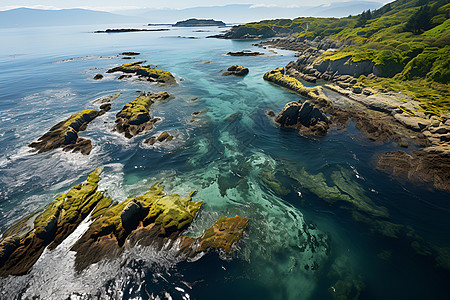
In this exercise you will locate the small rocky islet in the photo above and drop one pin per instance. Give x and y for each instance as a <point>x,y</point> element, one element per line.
<point>146,72</point>
<point>154,218</point>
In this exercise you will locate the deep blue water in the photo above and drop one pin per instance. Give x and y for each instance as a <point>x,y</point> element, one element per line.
<point>46,75</point>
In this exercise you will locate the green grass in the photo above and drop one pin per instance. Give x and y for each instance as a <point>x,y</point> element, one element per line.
<point>414,61</point>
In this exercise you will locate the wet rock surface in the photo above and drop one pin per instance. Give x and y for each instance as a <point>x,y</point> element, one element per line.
<point>164,136</point>
<point>146,72</point>
<point>307,118</point>
<point>236,70</point>
<point>134,117</point>
<point>64,135</point>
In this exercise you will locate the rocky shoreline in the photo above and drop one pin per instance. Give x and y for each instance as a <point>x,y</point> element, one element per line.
<point>430,163</point>
<point>154,218</point>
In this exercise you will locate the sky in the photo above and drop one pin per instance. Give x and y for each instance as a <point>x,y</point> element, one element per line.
<point>117,5</point>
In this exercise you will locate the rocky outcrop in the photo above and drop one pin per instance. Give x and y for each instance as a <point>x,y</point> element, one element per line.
<point>154,218</point>
<point>236,70</point>
<point>422,166</point>
<point>164,136</point>
<point>64,135</point>
<point>146,72</point>
<point>23,243</point>
<point>98,77</point>
<point>279,77</point>
<point>134,117</point>
<point>306,118</point>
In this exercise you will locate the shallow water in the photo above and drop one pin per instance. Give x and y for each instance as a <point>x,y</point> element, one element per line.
<point>297,245</point>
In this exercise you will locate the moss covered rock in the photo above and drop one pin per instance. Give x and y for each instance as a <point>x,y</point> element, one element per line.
<point>236,70</point>
<point>65,134</point>
<point>134,117</point>
<point>145,71</point>
<point>24,242</point>
<point>278,77</point>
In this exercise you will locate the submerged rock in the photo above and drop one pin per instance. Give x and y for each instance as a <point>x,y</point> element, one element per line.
<point>134,117</point>
<point>65,134</point>
<point>165,136</point>
<point>278,77</point>
<point>306,117</point>
<point>23,243</point>
<point>106,99</point>
<point>145,71</point>
<point>98,76</point>
<point>420,166</point>
<point>236,70</point>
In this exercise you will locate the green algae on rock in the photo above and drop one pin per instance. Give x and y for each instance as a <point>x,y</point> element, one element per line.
<point>24,242</point>
<point>134,117</point>
<point>156,219</point>
<point>145,71</point>
<point>236,70</point>
<point>314,93</point>
<point>65,134</point>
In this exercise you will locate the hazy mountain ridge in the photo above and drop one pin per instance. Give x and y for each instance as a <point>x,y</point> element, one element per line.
<point>234,13</point>
<point>27,17</point>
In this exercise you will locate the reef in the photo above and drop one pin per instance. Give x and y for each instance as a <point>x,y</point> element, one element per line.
<point>236,70</point>
<point>279,77</point>
<point>146,72</point>
<point>419,167</point>
<point>307,118</point>
<point>64,135</point>
<point>155,219</point>
<point>134,117</point>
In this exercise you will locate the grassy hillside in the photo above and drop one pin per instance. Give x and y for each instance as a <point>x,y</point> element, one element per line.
<point>408,40</point>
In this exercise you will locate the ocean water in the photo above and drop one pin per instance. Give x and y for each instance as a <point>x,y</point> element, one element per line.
<point>296,246</point>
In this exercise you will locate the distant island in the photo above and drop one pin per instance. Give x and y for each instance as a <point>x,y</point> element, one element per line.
<point>198,23</point>
<point>120,30</point>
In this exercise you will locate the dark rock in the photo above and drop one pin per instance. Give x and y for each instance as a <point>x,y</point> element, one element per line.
<point>244,53</point>
<point>132,214</point>
<point>129,53</point>
<point>270,113</point>
<point>165,136</point>
<point>65,134</point>
<point>98,77</point>
<point>105,107</point>
<point>306,117</point>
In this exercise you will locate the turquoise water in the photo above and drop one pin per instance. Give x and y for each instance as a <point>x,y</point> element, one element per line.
<point>297,245</point>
